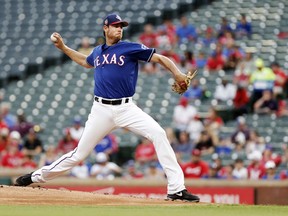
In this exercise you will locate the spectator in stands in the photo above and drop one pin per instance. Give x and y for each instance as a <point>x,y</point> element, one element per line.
<point>224,27</point>
<point>76,129</point>
<point>240,101</point>
<point>217,160</point>
<point>145,154</point>
<point>67,143</point>
<point>196,168</point>
<point>227,172</point>
<point>282,108</point>
<point>186,32</point>
<point>28,162</point>
<point>201,60</point>
<point>85,46</point>
<point>224,146</point>
<point>195,127</point>
<point>183,147</point>
<point>48,157</point>
<point>13,157</point>
<point>209,38</point>
<point>228,46</point>
<point>170,31</point>
<point>8,118</point>
<point>131,172</point>
<point>262,79</point>
<point>216,60</point>
<point>22,125</point>
<point>234,56</point>
<point>255,169</point>
<point>107,146</point>
<point>104,169</point>
<point>148,37</point>
<point>80,171</point>
<point>247,64</point>
<point>183,113</point>
<point>162,38</point>
<point>227,41</point>
<point>154,172</point>
<point>213,122</point>
<point>255,143</point>
<point>189,61</point>
<point>243,28</point>
<point>245,68</point>
<point>283,174</point>
<point>32,144</point>
<point>212,172</point>
<point>280,80</point>
<point>205,144</point>
<point>194,91</point>
<point>270,173</point>
<point>240,171</point>
<point>225,91</point>
<point>267,104</point>
<point>242,133</point>
<point>269,155</point>
<point>4,140</point>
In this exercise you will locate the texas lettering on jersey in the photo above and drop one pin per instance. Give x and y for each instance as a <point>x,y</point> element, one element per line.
<point>109,59</point>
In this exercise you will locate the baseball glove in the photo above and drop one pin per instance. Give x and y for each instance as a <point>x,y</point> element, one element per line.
<point>181,87</point>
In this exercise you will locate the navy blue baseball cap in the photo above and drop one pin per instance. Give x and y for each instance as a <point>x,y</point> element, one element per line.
<point>113,19</point>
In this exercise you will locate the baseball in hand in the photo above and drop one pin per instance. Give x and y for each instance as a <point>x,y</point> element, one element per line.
<point>53,39</point>
<point>183,85</point>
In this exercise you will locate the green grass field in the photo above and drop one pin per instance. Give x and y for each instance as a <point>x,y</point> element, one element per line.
<point>183,210</point>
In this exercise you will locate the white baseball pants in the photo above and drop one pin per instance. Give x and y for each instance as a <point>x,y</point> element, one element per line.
<point>101,121</point>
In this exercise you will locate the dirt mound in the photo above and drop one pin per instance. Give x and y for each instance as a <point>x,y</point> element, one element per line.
<point>42,196</point>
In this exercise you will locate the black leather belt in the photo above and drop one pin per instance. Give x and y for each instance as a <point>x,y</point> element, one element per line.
<point>111,102</point>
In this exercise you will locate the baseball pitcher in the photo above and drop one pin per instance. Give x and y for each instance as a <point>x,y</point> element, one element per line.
<point>115,66</point>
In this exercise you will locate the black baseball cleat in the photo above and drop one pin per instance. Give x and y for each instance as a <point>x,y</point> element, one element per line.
<point>24,180</point>
<point>183,195</point>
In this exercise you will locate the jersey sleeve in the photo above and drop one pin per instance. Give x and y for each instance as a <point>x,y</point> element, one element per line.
<point>90,59</point>
<point>140,52</point>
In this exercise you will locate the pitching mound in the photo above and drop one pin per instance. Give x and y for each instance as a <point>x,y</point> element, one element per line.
<point>40,196</point>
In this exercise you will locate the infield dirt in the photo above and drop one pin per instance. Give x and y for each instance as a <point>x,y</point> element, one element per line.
<point>11,195</point>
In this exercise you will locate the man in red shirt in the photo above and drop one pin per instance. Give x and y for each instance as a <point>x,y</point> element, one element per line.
<point>13,158</point>
<point>67,143</point>
<point>196,168</point>
<point>148,37</point>
<point>145,152</point>
<point>256,170</point>
<point>240,101</point>
<point>216,60</point>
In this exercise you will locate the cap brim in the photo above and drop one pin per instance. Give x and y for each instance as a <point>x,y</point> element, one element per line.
<point>124,23</point>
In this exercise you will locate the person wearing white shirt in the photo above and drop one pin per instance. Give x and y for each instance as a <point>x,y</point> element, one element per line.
<point>225,91</point>
<point>104,169</point>
<point>239,171</point>
<point>77,129</point>
<point>183,114</point>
